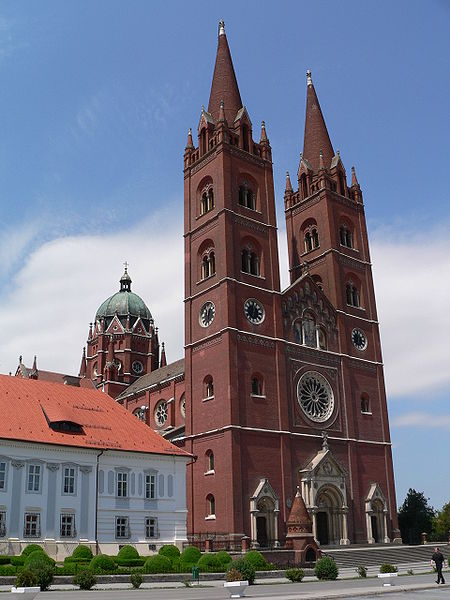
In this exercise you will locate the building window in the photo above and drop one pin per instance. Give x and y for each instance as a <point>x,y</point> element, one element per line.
<point>122,484</point>
<point>208,388</point>
<point>161,413</point>
<point>122,528</point>
<point>2,523</point>
<point>69,480</point>
<point>311,239</point>
<point>257,386</point>
<point>352,295</point>
<point>247,197</point>
<point>321,339</point>
<point>208,265</point>
<point>250,262</point>
<point>365,404</point>
<point>151,527</point>
<point>345,236</point>
<point>2,476</point>
<point>298,332</point>
<point>150,487</point>
<point>210,507</point>
<point>309,331</point>
<point>183,406</point>
<point>32,525</point>
<point>209,461</point>
<point>68,526</point>
<point>207,201</point>
<point>34,478</point>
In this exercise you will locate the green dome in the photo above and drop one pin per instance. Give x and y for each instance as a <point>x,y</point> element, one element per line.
<point>124,303</point>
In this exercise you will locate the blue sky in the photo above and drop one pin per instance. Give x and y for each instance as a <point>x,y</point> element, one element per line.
<point>95,102</point>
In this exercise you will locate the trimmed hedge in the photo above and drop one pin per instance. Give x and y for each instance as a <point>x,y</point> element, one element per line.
<point>169,551</point>
<point>388,568</point>
<point>209,561</point>
<point>127,552</point>
<point>224,558</point>
<point>38,556</point>
<point>32,548</point>
<point>102,563</point>
<point>18,561</point>
<point>82,552</point>
<point>7,570</point>
<point>190,555</point>
<point>5,560</point>
<point>157,564</point>
<point>130,562</point>
<point>256,559</point>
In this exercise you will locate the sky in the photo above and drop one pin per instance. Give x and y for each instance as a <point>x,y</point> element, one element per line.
<point>95,102</point>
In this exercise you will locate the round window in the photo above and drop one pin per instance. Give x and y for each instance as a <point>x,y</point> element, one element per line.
<point>183,407</point>
<point>161,413</point>
<point>315,396</point>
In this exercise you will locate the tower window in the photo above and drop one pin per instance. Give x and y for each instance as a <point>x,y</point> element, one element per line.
<point>311,239</point>
<point>209,467</point>
<point>352,294</point>
<point>247,197</point>
<point>250,262</point>
<point>207,201</point>
<point>210,507</point>
<point>208,388</point>
<point>208,265</point>
<point>257,386</point>
<point>365,404</point>
<point>345,236</point>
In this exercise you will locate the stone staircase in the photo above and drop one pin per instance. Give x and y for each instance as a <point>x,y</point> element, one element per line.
<point>379,554</point>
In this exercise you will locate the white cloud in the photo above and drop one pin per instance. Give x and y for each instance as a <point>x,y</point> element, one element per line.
<point>423,420</point>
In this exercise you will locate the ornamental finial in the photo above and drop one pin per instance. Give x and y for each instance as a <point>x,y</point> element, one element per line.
<point>308,77</point>
<point>221,27</point>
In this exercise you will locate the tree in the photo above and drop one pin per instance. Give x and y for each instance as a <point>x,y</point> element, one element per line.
<point>414,517</point>
<point>441,524</point>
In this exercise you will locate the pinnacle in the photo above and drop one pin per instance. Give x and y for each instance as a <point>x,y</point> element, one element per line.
<point>224,84</point>
<point>316,138</point>
<point>288,188</point>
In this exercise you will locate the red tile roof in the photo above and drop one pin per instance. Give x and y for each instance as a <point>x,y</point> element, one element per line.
<point>29,410</point>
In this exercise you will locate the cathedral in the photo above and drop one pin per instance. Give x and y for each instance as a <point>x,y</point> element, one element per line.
<point>281,393</point>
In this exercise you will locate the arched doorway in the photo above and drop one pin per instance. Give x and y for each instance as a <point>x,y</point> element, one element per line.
<point>322,528</point>
<point>264,516</point>
<point>329,516</point>
<point>376,516</point>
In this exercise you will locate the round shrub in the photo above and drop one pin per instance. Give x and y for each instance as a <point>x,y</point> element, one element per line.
<point>32,548</point>
<point>82,552</point>
<point>209,562</point>
<point>102,563</point>
<point>42,568</point>
<point>157,564</point>
<point>295,575</point>
<point>39,557</point>
<point>388,568</point>
<point>326,568</point>
<point>26,578</point>
<point>256,559</point>
<point>224,558</point>
<point>169,551</point>
<point>127,552</point>
<point>245,568</point>
<point>85,579</point>
<point>136,580</point>
<point>190,555</point>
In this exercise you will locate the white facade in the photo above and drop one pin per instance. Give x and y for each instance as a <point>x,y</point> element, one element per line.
<point>60,496</point>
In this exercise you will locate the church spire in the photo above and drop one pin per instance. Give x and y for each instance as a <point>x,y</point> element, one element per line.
<point>224,84</point>
<point>316,134</point>
<point>82,372</point>
<point>163,362</point>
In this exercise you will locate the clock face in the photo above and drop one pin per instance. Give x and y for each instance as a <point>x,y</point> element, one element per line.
<point>254,311</point>
<point>359,339</point>
<point>207,314</point>
<point>137,367</point>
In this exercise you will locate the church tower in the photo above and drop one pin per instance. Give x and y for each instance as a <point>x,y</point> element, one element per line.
<point>231,292</point>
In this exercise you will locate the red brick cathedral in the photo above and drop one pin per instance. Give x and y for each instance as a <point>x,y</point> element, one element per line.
<point>279,390</point>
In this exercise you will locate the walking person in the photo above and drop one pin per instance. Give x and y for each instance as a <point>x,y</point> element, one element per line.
<point>438,559</point>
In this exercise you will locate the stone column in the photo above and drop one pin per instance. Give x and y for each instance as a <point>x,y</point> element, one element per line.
<point>344,540</point>
<point>276,543</point>
<point>16,495</point>
<point>84,509</point>
<point>50,526</point>
<point>253,531</point>
<point>386,539</point>
<point>370,539</point>
<point>314,522</point>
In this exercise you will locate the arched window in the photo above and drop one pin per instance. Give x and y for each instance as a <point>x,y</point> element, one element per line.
<point>303,186</point>
<point>315,239</point>
<point>207,200</point>
<point>352,294</point>
<point>250,262</point>
<point>298,332</point>
<point>247,197</point>
<point>321,339</point>
<point>210,506</point>
<point>208,388</point>
<point>309,331</point>
<point>365,404</point>
<point>257,386</point>
<point>311,238</point>
<point>208,260</point>
<point>245,136</point>
<point>345,236</point>
<point>209,456</point>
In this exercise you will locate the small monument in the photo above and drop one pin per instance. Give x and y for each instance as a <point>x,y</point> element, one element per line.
<point>299,533</point>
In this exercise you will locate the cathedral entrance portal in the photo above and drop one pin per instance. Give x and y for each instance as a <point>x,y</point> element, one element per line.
<point>261,531</point>
<point>264,516</point>
<point>376,516</point>
<point>375,534</point>
<point>322,528</point>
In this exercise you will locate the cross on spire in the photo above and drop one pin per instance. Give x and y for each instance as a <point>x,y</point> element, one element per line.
<point>126,265</point>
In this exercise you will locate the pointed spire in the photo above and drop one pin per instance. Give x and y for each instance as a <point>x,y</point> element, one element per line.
<point>354,178</point>
<point>163,362</point>
<point>189,143</point>
<point>316,134</point>
<point>299,519</point>
<point>82,372</point>
<point>224,84</point>
<point>263,139</point>
<point>34,367</point>
<point>288,189</point>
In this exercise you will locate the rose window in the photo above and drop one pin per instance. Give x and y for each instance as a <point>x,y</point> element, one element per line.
<point>315,396</point>
<point>183,407</point>
<point>161,413</point>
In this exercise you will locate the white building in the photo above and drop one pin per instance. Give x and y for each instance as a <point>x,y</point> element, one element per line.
<point>76,467</point>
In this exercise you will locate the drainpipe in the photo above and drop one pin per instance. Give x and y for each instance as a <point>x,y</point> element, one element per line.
<point>96,503</point>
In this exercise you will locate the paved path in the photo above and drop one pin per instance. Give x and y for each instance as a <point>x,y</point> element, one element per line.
<point>416,587</point>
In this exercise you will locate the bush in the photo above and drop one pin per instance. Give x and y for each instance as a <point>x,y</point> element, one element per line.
<point>130,562</point>
<point>5,560</point>
<point>224,558</point>
<point>157,564</point>
<point>362,571</point>
<point>190,555</point>
<point>82,552</point>
<point>40,557</point>
<point>388,568</point>
<point>136,580</point>
<point>169,551</point>
<point>85,579</point>
<point>245,568</point>
<point>18,561</point>
<point>26,578</point>
<point>209,562</point>
<point>295,575</point>
<point>31,548</point>
<point>326,568</point>
<point>233,575</point>
<point>7,570</point>
<point>102,563</point>
<point>127,552</point>
<point>256,559</point>
<point>42,568</point>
